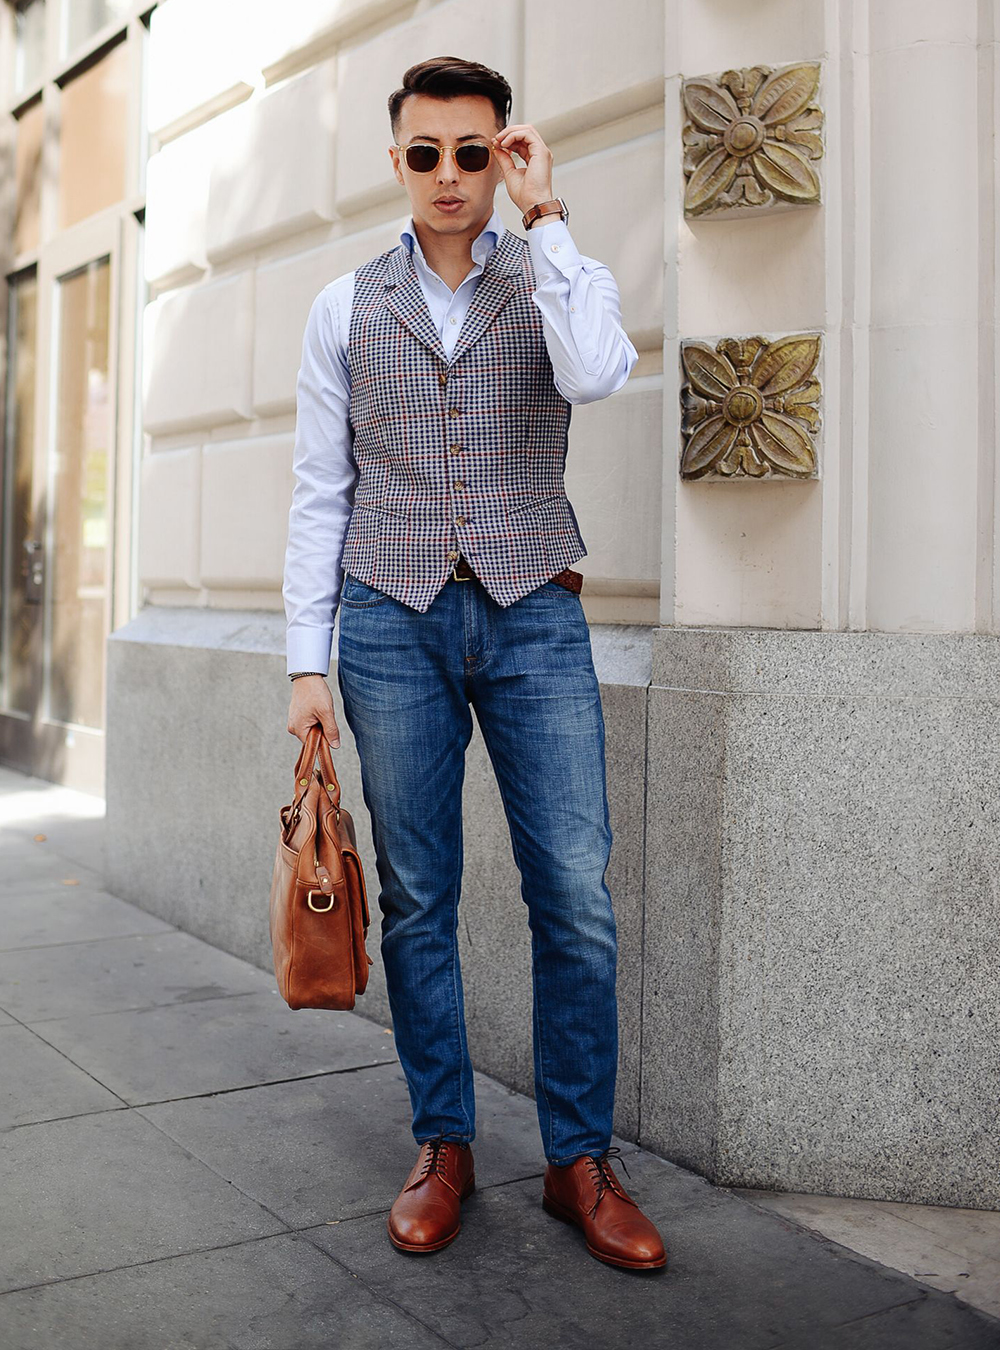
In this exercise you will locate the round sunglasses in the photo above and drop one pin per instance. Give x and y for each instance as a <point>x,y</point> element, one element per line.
<point>473,157</point>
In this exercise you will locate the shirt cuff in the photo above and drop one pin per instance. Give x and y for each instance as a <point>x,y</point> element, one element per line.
<point>553,251</point>
<point>308,649</point>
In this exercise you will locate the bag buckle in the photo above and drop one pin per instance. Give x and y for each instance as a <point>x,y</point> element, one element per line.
<point>320,909</point>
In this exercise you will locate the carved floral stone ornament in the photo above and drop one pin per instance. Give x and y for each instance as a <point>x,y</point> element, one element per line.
<point>749,137</point>
<point>750,407</point>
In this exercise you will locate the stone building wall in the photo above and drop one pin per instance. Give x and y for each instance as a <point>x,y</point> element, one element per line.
<point>796,636</point>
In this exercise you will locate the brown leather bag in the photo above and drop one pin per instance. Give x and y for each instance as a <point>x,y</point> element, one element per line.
<point>319,906</point>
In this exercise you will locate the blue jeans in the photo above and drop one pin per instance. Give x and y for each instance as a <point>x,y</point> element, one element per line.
<point>408,680</point>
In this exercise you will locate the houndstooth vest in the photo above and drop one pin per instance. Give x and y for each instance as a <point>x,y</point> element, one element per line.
<point>461,456</point>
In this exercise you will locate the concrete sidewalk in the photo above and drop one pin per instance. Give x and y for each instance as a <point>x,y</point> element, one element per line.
<point>188,1163</point>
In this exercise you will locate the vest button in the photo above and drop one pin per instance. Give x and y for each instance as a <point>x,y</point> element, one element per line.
<point>442,377</point>
<point>453,554</point>
<point>459,520</point>
<point>458,484</point>
<point>453,412</point>
<point>454,449</point>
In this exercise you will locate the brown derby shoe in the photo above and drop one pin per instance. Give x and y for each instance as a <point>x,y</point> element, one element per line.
<point>425,1216</point>
<point>588,1193</point>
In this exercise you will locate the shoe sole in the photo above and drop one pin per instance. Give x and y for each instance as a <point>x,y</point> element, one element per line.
<point>556,1210</point>
<point>419,1247</point>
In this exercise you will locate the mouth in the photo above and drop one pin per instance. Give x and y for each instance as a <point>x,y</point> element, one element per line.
<point>448,201</point>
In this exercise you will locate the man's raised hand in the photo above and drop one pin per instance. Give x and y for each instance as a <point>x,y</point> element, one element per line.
<point>533,183</point>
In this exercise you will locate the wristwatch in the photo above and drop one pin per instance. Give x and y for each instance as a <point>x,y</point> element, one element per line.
<point>557,206</point>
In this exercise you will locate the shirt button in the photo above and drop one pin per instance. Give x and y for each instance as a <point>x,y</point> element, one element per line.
<point>453,319</point>
<point>572,309</point>
<point>555,248</point>
<point>459,520</point>
<point>453,554</point>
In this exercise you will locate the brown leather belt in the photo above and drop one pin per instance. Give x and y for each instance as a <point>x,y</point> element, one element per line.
<point>573,581</point>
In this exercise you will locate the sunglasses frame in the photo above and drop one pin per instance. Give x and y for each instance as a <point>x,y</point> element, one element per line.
<point>441,149</point>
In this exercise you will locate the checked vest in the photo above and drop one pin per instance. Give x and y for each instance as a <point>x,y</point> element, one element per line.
<point>456,457</point>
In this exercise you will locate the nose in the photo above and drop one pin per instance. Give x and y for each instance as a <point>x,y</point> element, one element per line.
<point>448,170</point>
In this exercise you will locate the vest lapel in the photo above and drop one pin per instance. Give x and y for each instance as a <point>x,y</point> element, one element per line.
<point>493,289</point>
<point>405,298</point>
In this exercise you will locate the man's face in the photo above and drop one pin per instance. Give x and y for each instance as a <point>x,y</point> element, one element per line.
<point>448,122</point>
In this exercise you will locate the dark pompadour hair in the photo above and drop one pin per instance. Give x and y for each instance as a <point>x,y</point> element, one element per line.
<point>451,77</point>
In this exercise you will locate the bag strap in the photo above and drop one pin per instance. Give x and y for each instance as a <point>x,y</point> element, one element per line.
<point>315,743</point>
<point>330,773</point>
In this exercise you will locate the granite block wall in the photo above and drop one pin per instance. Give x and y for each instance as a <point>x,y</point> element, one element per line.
<point>804,869</point>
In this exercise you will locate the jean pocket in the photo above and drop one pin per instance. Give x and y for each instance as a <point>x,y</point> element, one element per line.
<point>359,595</point>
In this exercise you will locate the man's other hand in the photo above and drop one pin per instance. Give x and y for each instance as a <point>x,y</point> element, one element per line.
<point>312,702</point>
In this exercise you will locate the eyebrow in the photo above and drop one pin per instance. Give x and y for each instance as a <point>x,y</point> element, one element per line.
<point>469,136</point>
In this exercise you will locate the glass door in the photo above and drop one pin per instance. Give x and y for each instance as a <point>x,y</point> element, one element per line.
<point>59,503</point>
<point>72,82</point>
<point>80,493</point>
<point>20,590</point>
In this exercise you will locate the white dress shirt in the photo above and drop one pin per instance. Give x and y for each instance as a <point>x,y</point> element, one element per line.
<point>591,356</point>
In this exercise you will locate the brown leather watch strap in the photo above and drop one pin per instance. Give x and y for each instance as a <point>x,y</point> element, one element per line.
<point>554,207</point>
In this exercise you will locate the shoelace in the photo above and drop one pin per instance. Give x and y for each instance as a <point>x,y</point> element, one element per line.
<point>433,1154</point>
<point>605,1179</point>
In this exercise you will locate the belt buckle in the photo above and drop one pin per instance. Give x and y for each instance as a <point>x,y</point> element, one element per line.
<point>454,571</point>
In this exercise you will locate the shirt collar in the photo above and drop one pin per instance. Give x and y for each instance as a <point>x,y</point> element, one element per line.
<point>482,246</point>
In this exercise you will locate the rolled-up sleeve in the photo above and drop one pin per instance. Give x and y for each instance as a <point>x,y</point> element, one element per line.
<point>326,475</point>
<point>578,298</point>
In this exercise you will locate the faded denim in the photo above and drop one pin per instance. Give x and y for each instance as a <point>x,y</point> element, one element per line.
<point>409,682</point>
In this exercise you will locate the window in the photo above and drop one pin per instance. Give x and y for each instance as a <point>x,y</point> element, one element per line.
<point>28,177</point>
<point>29,44</point>
<point>83,18</point>
<point>93,132</point>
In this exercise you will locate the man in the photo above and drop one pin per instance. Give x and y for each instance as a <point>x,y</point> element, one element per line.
<point>433,405</point>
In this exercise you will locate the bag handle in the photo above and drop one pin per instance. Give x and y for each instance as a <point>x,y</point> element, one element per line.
<point>315,743</point>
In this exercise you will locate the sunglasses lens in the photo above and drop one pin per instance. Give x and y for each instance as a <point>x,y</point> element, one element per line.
<point>421,158</point>
<point>472,158</point>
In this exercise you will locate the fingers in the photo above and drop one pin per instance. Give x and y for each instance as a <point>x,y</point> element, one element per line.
<point>331,731</point>
<point>306,712</point>
<point>521,137</point>
<point>504,158</point>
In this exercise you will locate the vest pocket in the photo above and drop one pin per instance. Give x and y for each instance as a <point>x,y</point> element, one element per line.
<point>537,503</point>
<point>550,519</point>
<point>548,525</point>
<point>378,510</point>
<point>366,541</point>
